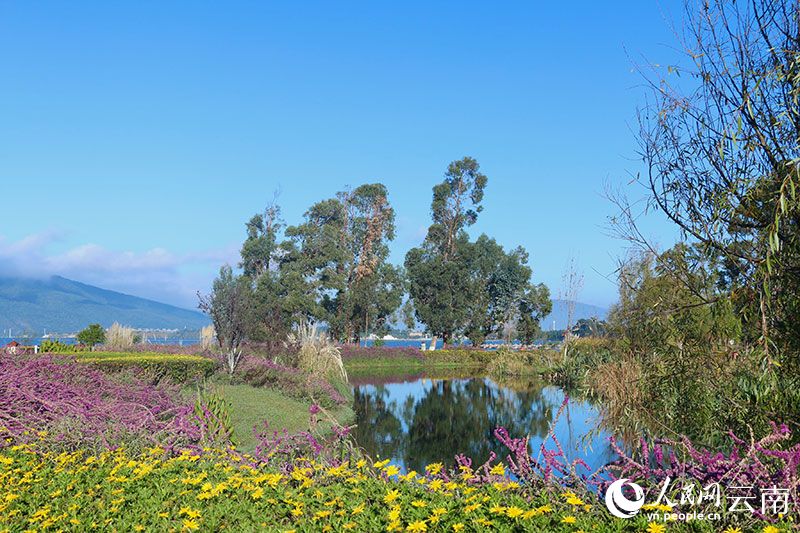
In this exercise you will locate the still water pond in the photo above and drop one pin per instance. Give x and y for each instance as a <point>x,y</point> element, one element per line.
<point>416,420</point>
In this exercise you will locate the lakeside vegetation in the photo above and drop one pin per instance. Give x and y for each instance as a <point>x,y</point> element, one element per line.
<point>696,370</point>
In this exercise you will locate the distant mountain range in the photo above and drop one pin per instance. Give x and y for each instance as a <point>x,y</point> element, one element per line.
<point>61,305</point>
<point>557,319</point>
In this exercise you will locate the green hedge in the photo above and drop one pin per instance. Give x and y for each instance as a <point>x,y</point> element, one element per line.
<point>51,346</point>
<point>176,367</point>
<point>450,357</point>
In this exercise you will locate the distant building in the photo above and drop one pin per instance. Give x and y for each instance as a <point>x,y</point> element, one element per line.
<point>11,348</point>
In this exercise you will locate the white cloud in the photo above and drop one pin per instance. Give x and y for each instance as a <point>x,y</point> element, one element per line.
<point>156,273</point>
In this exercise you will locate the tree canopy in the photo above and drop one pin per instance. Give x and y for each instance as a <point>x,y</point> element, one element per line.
<point>92,335</point>
<point>464,287</point>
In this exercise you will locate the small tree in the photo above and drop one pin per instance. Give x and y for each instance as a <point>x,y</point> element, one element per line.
<point>230,307</point>
<point>93,334</point>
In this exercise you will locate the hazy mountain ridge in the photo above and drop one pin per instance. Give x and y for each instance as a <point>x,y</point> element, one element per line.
<point>63,305</point>
<point>560,311</point>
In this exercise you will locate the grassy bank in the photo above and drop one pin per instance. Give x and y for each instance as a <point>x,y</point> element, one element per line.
<point>262,395</point>
<point>254,407</point>
<point>388,361</point>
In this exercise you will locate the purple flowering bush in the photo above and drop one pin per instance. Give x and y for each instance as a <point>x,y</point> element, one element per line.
<point>755,464</point>
<point>74,405</point>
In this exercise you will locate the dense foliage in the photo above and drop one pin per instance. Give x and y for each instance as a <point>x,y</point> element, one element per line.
<point>91,335</point>
<point>472,288</point>
<point>333,269</point>
<point>154,366</point>
<point>706,331</point>
<point>56,346</point>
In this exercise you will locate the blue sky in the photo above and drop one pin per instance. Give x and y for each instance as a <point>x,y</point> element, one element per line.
<point>137,138</point>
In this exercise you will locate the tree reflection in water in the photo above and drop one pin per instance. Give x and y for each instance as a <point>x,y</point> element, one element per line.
<point>422,421</point>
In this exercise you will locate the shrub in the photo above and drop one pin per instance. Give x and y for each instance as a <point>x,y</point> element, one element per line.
<point>77,406</point>
<point>512,363</point>
<point>259,372</point>
<point>583,357</point>
<point>155,366</point>
<point>317,354</point>
<point>352,351</point>
<point>459,356</point>
<point>119,337</point>
<point>756,465</point>
<point>51,346</point>
<point>212,412</point>
<point>174,349</point>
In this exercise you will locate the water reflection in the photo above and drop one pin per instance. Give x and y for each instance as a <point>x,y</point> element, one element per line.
<point>416,420</point>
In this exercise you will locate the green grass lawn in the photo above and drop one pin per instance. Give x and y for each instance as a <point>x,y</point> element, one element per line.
<point>250,406</point>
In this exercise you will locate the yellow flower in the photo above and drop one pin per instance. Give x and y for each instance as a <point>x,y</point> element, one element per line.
<point>418,526</point>
<point>419,503</point>
<point>497,509</point>
<point>514,511</point>
<point>574,500</point>
<point>189,512</point>
<point>392,470</point>
<point>469,508</point>
<point>435,485</point>
<point>391,496</point>
<point>770,529</point>
<point>321,514</point>
<point>654,527</point>
<point>190,524</point>
<point>409,476</point>
<point>498,470</point>
<point>358,510</point>
<point>434,468</point>
<point>732,529</point>
<point>568,520</point>
<point>458,527</point>
<point>257,494</point>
